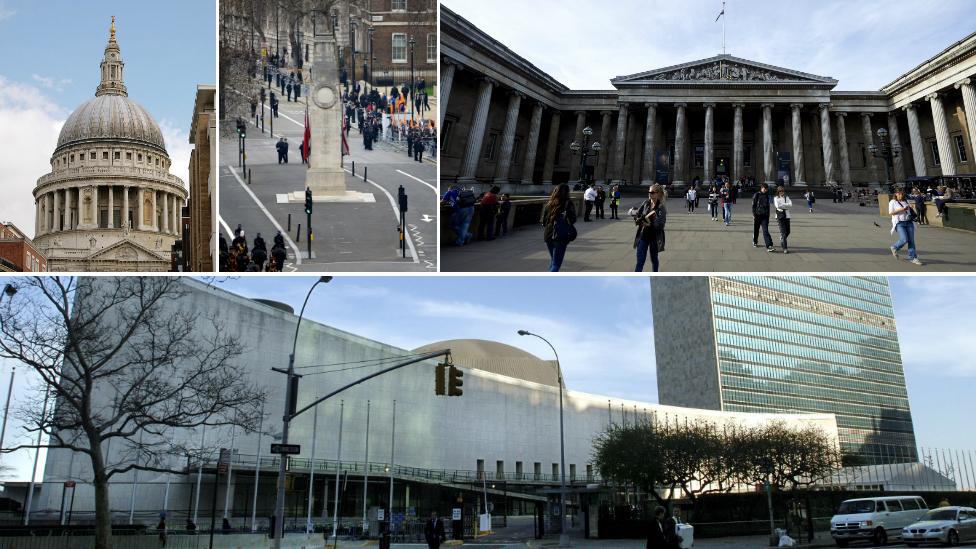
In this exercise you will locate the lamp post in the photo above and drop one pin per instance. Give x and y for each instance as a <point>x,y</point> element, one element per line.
<point>352,49</point>
<point>585,150</point>
<point>9,290</point>
<point>563,534</point>
<point>291,398</point>
<point>412,81</point>
<point>370,76</point>
<point>888,152</point>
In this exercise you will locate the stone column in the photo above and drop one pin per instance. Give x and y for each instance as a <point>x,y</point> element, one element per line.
<point>37,216</point>
<point>140,208</point>
<point>601,165</point>
<point>798,178</point>
<point>828,143</point>
<point>95,206</point>
<point>680,145</point>
<point>550,164</point>
<point>969,106</point>
<point>946,159</point>
<point>56,226</point>
<point>647,175</point>
<point>574,167</point>
<point>872,164</point>
<point>528,166</point>
<point>177,215</point>
<point>67,209</point>
<point>767,125</point>
<point>620,145</point>
<point>635,147</point>
<point>155,210</point>
<point>447,79</point>
<point>476,135</point>
<point>845,161</point>
<point>915,136</point>
<point>508,138</point>
<point>125,205</point>
<point>899,174</point>
<point>709,141</point>
<point>737,142</point>
<point>111,207</point>
<point>166,229</point>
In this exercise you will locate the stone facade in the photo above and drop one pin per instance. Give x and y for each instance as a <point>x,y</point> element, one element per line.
<point>109,203</point>
<point>203,196</point>
<point>719,116</point>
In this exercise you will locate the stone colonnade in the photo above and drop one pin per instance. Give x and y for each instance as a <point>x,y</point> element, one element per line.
<point>79,208</point>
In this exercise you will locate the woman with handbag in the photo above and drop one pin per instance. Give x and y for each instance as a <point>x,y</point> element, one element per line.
<point>903,221</point>
<point>782,203</point>
<point>650,218</point>
<point>558,231</point>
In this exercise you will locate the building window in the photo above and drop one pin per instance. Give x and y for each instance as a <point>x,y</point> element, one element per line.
<point>572,471</point>
<point>537,470</point>
<point>105,155</point>
<point>91,156</point>
<point>432,48</point>
<point>446,133</point>
<point>481,468</point>
<point>961,148</point>
<point>746,156</point>
<point>518,470</point>
<point>398,5</point>
<point>934,146</point>
<point>499,469</point>
<point>117,155</point>
<point>490,148</point>
<point>699,156</point>
<point>140,157</point>
<point>555,470</point>
<point>72,158</point>
<point>128,156</point>
<point>399,47</point>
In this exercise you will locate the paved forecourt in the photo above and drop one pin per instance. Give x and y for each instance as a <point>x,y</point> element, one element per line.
<point>348,237</point>
<point>836,237</point>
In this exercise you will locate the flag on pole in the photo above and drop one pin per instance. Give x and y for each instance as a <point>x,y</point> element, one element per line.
<point>345,144</point>
<point>721,13</point>
<point>306,139</point>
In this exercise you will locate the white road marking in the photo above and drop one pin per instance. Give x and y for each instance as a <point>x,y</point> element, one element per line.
<point>433,188</point>
<point>427,218</point>
<point>294,247</point>
<point>230,233</point>
<point>396,215</point>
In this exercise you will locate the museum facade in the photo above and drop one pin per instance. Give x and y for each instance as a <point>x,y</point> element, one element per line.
<point>506,122</point>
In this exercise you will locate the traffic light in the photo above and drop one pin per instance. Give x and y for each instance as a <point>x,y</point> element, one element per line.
<point>440,380</point>
<point>241,128</point>
<point>308,201</point>
<point>454,382</point>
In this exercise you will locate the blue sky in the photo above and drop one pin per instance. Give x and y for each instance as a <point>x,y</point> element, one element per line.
<point>52,51</point>
<point>603,330</point>
<point>864,44</point>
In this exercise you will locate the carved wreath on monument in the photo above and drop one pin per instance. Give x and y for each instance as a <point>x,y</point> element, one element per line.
<point>718,71</point>
<point>324,96</point>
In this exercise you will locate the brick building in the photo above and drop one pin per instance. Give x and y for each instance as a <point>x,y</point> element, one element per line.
<point>18,253</point>
<point>198,251</point>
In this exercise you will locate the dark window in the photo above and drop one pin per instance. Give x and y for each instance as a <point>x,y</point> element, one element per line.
<point>105,155</point>
<point>961,148</point>
<point>699,156</point>
<point>91,156</point>
<point>490,148</point>
<point>935,153</point>
<point>117,155</point>
<point>747,156</point>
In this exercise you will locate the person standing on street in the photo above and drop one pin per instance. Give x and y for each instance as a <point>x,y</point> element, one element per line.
<point>280,147</point>
<point>501,220</point>
<point>589,199</point>
<point>691,197</point>
<point>650,218</point>
<point>418,151</point>
<point>462,201</point>
<point>728,198</point>
<point>760,217</point>
<point>903,222</point>
<point>601,197</point>
<point>434,531</point>
<point>655,534</point>
<point>558,217</point>
<point>713,203</point>
<point>811,199</point>
<point>783,205</point>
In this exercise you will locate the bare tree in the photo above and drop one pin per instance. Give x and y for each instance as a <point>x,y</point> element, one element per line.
<point>123,358</point>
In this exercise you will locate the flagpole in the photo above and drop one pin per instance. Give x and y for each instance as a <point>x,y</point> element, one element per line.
<point>723,28</point>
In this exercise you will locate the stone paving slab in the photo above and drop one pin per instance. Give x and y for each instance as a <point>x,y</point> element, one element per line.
<point>835,238</point>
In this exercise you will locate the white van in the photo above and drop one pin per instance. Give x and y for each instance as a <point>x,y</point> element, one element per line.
<point>875,519</point>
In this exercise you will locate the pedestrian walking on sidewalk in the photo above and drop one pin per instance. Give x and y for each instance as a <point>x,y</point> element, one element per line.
<point>434,531</point>
<point>728,198</point>
<point>783,205</point>
<point>760,217</point>
<point>418,151</point>
<point>655,534</point>
<point>692,198</point>
<point>903,222</point>
<point>811,200</point>
<point>282,147</point>
<point>650,218</point>
<point>559,216</point>
<point>713,203</point>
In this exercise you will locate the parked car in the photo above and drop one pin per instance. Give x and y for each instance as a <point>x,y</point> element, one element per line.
<point>875,519</point>
<point>948,525</point>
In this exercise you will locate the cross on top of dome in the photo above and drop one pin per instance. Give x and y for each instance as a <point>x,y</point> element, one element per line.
<point>112,82</point>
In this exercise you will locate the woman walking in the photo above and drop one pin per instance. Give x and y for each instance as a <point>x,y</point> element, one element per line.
<point>614,201</point>
<point>782,203</point>
<point>811,200</point>
<point>903,221</point>
<point>760,217</point>
<point>558,231</point>
<point>650,218</point>
<point>713,203</point>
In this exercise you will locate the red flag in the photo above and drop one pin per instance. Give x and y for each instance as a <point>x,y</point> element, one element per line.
<point>342,132</point>
<point>307,140</point>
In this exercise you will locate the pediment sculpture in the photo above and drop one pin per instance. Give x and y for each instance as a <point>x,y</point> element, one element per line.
<point>721,71</point>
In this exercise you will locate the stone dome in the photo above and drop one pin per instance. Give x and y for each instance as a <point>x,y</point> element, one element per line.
<point>111,118</point>
<point>498,358</point>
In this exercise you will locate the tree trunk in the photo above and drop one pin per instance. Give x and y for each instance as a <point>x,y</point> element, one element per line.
<point>103,511</point>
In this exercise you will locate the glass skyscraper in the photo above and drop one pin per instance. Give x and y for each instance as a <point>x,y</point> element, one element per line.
<point>788,344</point>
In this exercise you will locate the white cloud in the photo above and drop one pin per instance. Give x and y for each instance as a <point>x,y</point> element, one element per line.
<point>51,83</point>
<point>6,13</point>
<point>179,148</point>
<point>29,126</point>
<point>935,338</point>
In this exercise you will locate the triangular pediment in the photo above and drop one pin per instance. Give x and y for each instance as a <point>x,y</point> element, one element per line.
<point>127,250</point>
<point>724,70</point>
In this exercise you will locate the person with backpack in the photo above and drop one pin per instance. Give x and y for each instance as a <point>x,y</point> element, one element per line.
<point>760,217</point>
<point>650,218</point>
<point>462,202</point>
<point>558,218</point>
<point>903,222</point>
<point>783,205</point>
<point>810,200</point>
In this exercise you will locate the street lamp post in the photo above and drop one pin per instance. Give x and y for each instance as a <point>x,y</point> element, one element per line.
<point>8,290</point>
<point>291,398</point>
<point>370,76</point>
<point>413,82</point>
<point>585,150</point>
<point>352,49</point>
<point>563,533</point>
<point>886,151</point>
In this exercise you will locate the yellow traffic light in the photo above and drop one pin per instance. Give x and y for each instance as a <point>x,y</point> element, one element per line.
<point>454,382</point>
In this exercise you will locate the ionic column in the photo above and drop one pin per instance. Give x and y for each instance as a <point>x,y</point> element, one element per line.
<point>872,163</point>
<point>798,178</point>
<point>125,205</point>
<point>178,214</point>
<point>767,125</point>
<point>111,207</point>
<point>915,136</point>
<point>57,208</point>
<point>737,141</point>
<point>574,167</point>
<point>601,163</point>
<point>528,167</point>
<point>508,137</point>
<point>621,143</point>
<point>709,140</point>
<point>447,79</point>
<point>896,143</point>
<point>647,175</point>
<point>550,164</point>
<point>845,161</point>
<point>635,148</point>
<point>476,135</point>
<point>680,144</point>
<point>827,143</point>
<point>969,106</point>
<point>946,159</point>
<point>166,218</point>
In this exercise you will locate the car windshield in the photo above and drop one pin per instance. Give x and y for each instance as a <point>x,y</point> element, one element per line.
<point>940,514</point>
<point>856,506</point>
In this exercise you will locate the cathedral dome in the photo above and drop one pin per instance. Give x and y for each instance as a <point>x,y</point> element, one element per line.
<point>111,117</point>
